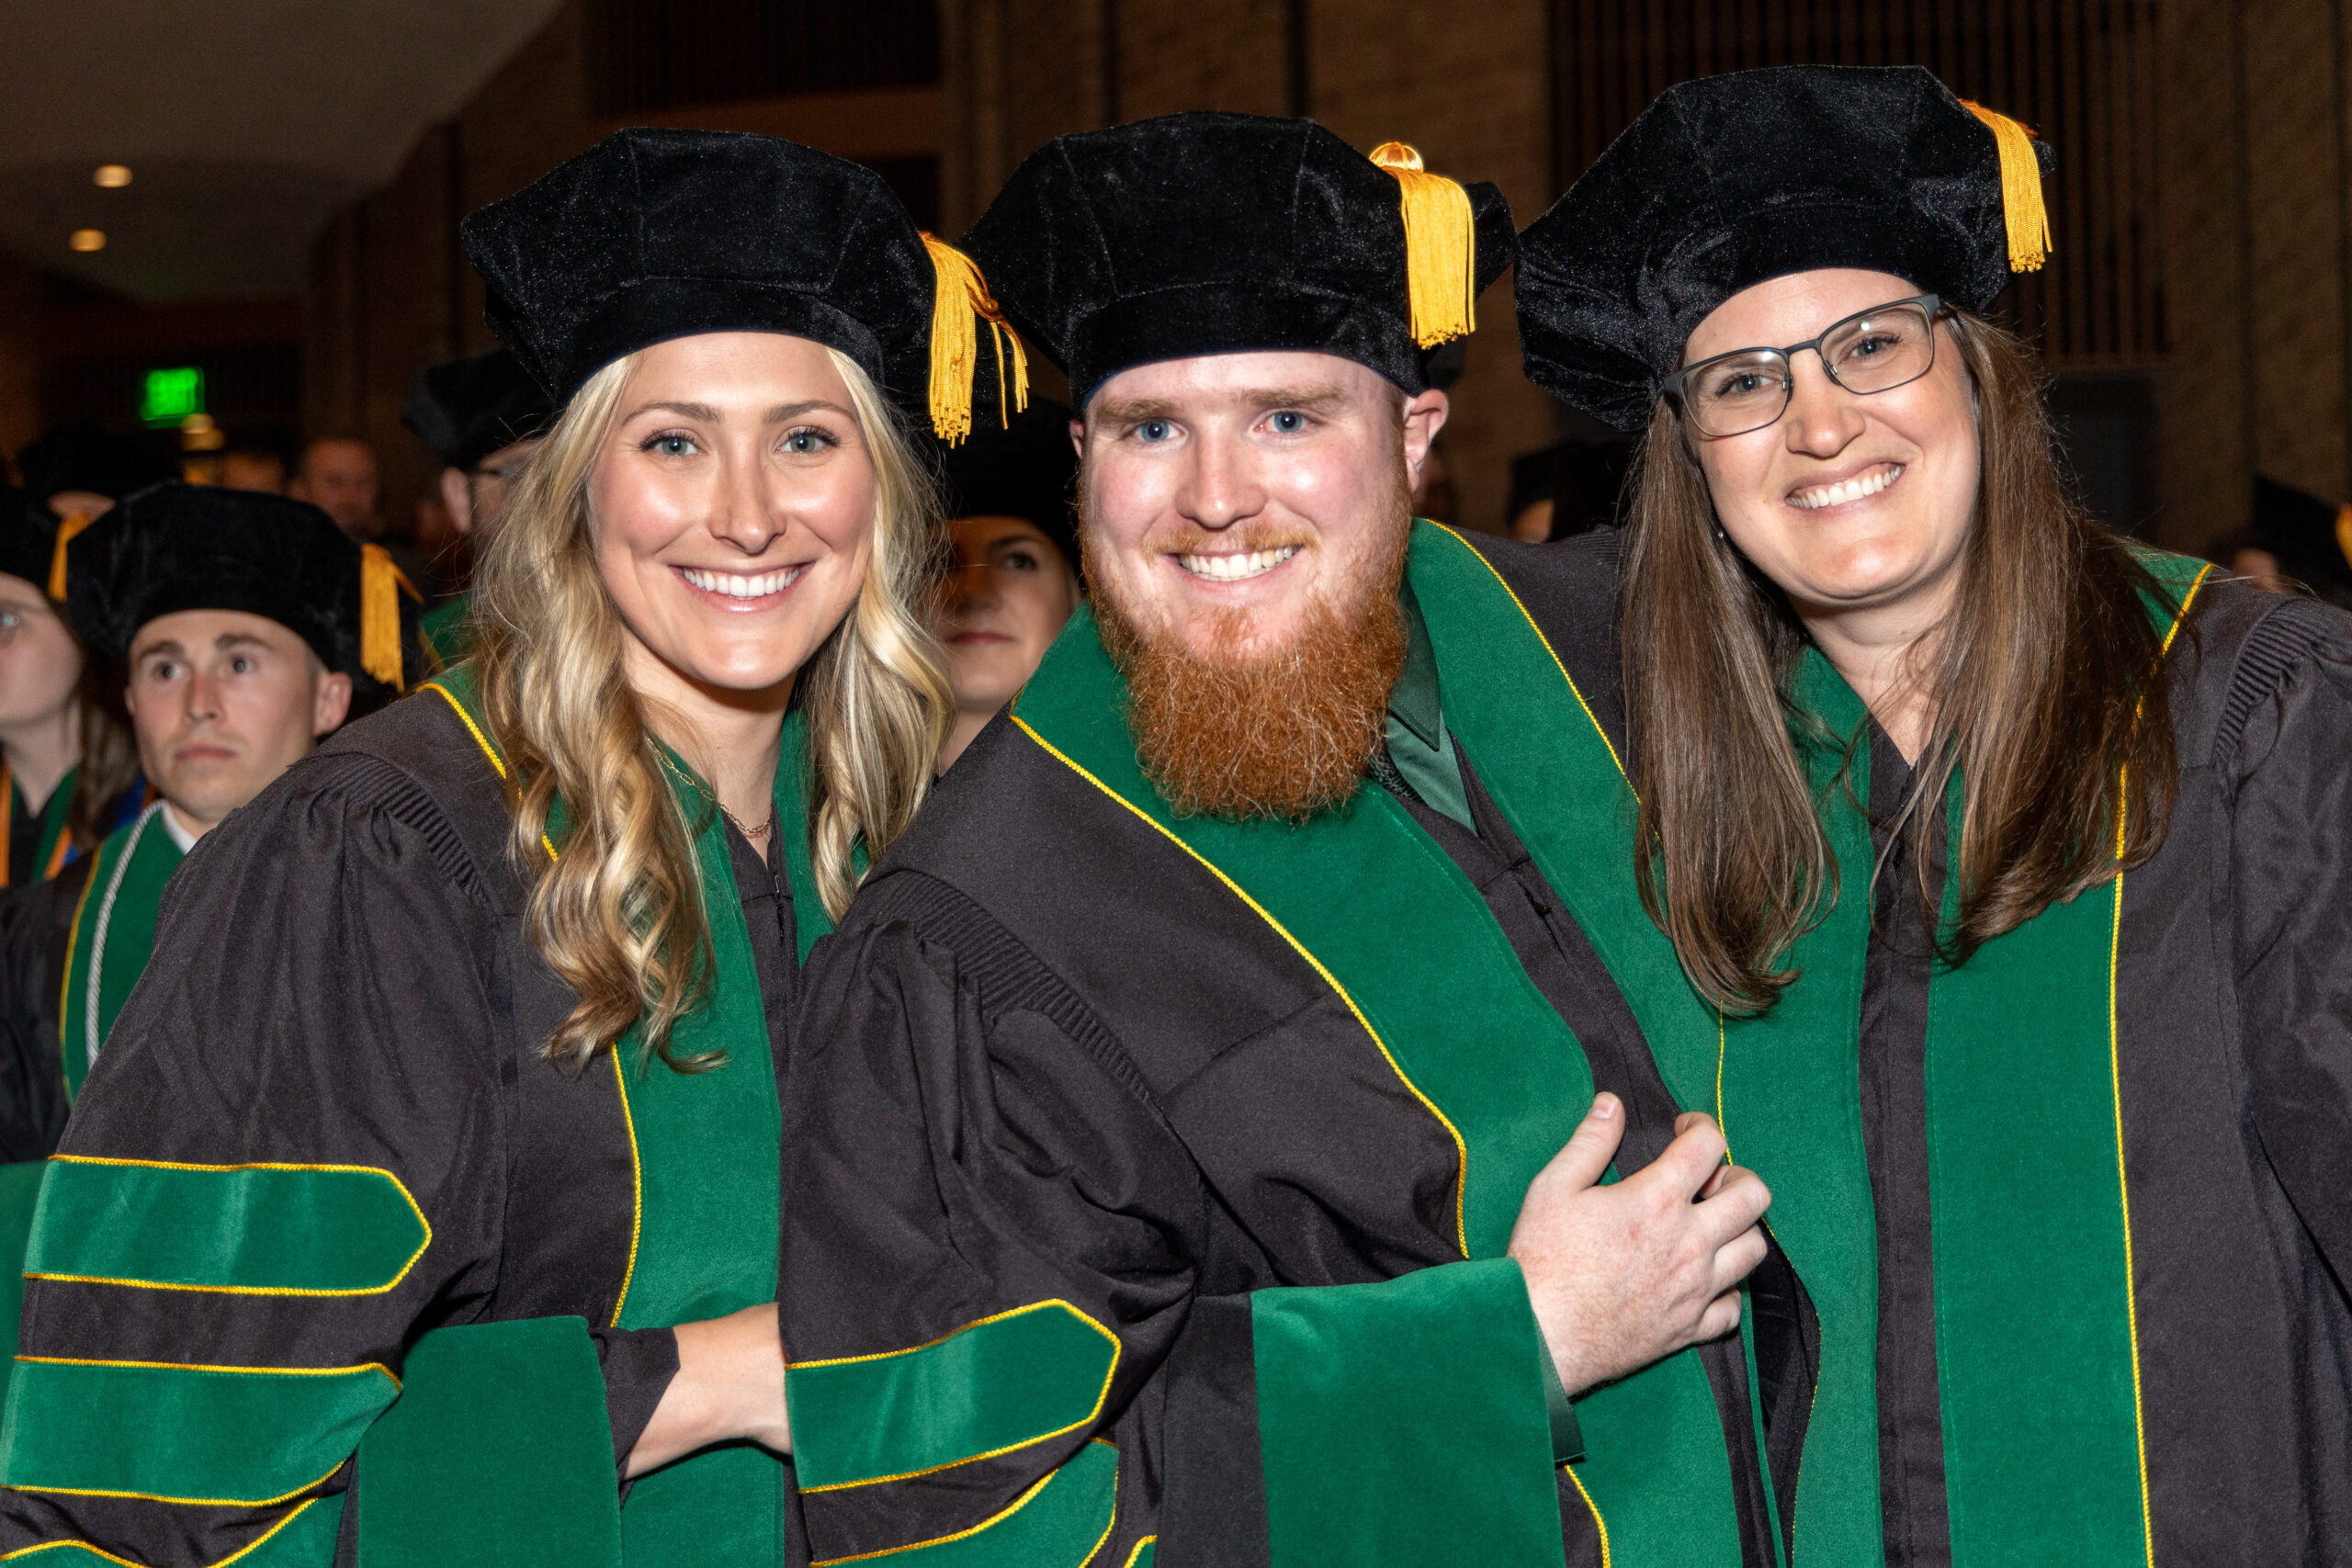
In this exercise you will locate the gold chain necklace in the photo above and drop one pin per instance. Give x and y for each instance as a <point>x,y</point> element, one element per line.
<point>751,834</point>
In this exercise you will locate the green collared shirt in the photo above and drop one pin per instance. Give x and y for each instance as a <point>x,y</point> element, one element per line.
<point>1418,744</point>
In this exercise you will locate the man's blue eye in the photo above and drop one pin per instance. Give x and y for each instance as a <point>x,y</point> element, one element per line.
<point>1289,421</point>
<point>1155,430</point>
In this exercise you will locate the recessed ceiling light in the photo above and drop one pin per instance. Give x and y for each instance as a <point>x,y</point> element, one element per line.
<point>113,177</point>
<point>87,239</point>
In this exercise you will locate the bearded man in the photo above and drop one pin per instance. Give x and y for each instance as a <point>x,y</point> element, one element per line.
<point>1174,1160</point>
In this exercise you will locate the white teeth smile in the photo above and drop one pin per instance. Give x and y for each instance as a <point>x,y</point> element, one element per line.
<point>1233,569</point>
<point>1852,489</point>
<point>734,585</point>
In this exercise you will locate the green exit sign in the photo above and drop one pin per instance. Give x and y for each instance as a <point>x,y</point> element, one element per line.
<point>168,397</point>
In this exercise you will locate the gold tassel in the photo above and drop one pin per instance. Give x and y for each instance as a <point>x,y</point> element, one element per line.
<point>2344,531</point>
<point>959,303</point>
<point>1441,247</point>
<point>380,585</point>
<point>2028,220</point>
<point>67,531</point>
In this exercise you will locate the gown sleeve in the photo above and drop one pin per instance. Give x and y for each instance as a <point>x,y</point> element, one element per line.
<point>32,1085</point>
<point>290,1161</point>
<point>2291,901</point>
<point>1009,1320</point>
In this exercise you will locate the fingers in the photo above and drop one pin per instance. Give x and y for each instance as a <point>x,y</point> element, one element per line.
<point>1690,1162</point>
<point>1739,1200</point>
<point>1721,1318</point>
<point>1737,1259</point>
<point>1585,1157</point>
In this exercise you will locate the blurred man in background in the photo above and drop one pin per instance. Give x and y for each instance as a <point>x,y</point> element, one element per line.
<point>338,475</point>
<point>481,417</point>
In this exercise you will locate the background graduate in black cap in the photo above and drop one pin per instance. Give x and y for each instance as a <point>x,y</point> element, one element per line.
<point>1160,1176</point>
<point>2295,543</point>
<point>80,470</point>
<point>481,417</point>
<point>2018,856</point>
<point>1012,576</point>
<point>241,619</point>
<point>485,1117</point>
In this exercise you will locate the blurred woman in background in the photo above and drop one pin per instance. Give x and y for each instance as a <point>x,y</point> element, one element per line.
<point>1012,574</point>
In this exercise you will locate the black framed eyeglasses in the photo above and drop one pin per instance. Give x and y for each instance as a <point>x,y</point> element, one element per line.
<point>1876,350</point>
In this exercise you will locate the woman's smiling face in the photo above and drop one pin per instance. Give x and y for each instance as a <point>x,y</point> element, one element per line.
<point>1847,502</point>
<point>733,506</point>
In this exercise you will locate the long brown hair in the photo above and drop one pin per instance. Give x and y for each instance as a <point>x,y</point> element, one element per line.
<point>109,755</point>
<point>619,916</point>
<point>2042,691</point>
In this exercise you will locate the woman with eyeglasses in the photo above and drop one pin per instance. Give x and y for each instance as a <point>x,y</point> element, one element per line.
<point>2016,856</point>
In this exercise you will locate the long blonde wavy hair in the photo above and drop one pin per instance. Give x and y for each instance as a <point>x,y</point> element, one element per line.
<point>618,915</point>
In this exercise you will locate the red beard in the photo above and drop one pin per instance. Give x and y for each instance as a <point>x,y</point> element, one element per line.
<point>1283,734</point>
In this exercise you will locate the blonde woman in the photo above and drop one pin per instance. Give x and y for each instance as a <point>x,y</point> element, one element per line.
<point>472,1023</point>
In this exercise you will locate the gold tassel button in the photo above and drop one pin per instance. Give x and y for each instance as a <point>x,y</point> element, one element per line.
<point>67,531</point>
<point>1441,247</point>
<point>381,583</point>
<point>2344,531</point>
<point>2021,204</point>
<point>959,303</point>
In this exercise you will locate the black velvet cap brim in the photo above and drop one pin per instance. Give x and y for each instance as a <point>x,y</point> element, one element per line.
<point>196,589</point>
<point>1729,181</point>
<point>654,235</point>
<point>1210,233</point>
<point>174,547</point>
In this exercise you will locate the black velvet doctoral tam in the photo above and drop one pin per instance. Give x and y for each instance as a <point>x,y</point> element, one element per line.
<point>1211,233</point>
<point>1730,180</point>
<point>1025,470</point>
<point>651,235</point>
<point>176,546</point>
<point>82,456</point>
<point>463,410</point>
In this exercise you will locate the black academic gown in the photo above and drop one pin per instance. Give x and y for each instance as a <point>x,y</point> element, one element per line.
<point>35,921</point>
<point>340,1022</point>
<point>1152,1187</point>
<point>2028,1344</point>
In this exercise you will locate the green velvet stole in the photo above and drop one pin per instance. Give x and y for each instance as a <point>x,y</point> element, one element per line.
<point>1368,899</point>
<point>708,1147</point>
<point>2036,1354</point>
<point>706,1151</point>
<point>47,857</point>
<point>114,928</point>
